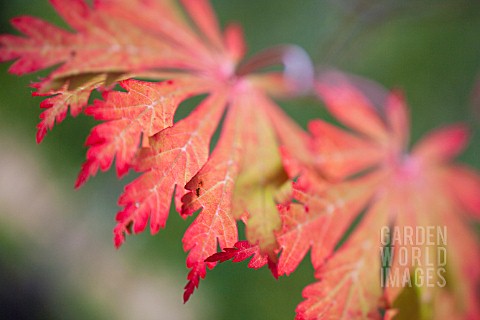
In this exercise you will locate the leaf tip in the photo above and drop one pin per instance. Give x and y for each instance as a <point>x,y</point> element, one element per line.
<point>197,272</point>
<point>189,288</point>
<point>273,266</point>
<point>41,133</point>
<point>81,179</point>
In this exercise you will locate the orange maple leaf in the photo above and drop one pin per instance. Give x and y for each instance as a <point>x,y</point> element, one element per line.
<point>179,47</point>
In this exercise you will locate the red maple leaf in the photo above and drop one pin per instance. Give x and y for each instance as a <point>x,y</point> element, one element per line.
<point>183,53</point>
<point>368,168</point>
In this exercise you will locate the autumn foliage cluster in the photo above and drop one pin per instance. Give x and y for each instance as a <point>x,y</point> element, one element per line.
<point>295,191</point>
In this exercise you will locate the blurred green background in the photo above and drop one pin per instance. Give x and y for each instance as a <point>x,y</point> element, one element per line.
<point>57,260</point>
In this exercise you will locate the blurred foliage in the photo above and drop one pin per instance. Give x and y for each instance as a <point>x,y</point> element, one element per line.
<point>430,49</point>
